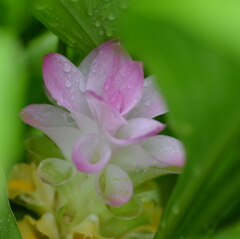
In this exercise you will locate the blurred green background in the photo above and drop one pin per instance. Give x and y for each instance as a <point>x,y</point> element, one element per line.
<point>194,49</point>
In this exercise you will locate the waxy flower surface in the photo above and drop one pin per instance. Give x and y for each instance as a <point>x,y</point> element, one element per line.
<point>104,119</point>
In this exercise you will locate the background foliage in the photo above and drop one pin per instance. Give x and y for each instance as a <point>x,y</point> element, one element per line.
<point>194,49</point>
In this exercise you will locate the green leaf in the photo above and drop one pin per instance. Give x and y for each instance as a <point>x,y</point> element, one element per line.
<point>84,24</point>
<point>219,28</point>
<point>13,14</point>
<point>233,232</point>
<point>8,226</point>
<point>37,47</point>
<point>40,148</point>
<point>200,81</point>
<point>12,93</point>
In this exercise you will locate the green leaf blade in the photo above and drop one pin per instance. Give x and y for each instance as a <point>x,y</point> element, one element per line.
<point>82,25</point>
<point>8,226</point>
<point>200,83</point>
<point>13,78</point>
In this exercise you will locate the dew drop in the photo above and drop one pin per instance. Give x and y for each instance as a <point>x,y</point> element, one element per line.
<point>129,86</point>
<point>111,17</point>
<point>106,87</point>
<point>163,225</point>
<point>67,218</point>
<point>108,33</point>
<point>71,42</point>
<point>67,67</point>
<point>54,23</point>
<point>68,119</point>
<point>93,218</point>
<point>175,209</point>
<point>141,170</point>
<point>81,85</point>
<point>147,102</point>
<point>123,4</point>
<point>101,32</point>
<point>68,84</point>
<point>107,5</point>
<point>61,58</point>
<point>89,12</point>
<point>93,69</point>
<point>78,35</point>
<point>123,73</point>
<point>196,171</point>
<point>146,84</point>
<point>39,7</point>
<point>97,23</point>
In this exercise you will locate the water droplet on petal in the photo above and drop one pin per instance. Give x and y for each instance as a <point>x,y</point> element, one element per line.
<point>141,170</point>
<point>74,70</point>
<point>147,102</point>
<point>123,72</point>
<point>68,119</point>
<point>81,85</point>
<point>61,58</point>
<point>146,84</point>
<point>116,100</point>
<point>93,68</point>
<point>68,83</point>
<point>67,67</point>
<point>106,86</point>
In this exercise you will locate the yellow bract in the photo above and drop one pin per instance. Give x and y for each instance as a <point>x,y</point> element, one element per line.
<point>26,187</point>
<point>34,229</point>
<point>55,220</point>
<point>21,185</point>
<point>88,229</point>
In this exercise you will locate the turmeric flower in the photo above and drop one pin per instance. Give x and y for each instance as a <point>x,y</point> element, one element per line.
<point>104,119</point>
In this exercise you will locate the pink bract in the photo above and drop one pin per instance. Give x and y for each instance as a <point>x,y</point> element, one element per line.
<point>104,118</point>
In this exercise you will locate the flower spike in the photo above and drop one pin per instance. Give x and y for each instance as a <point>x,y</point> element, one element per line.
<point>107,126</point>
